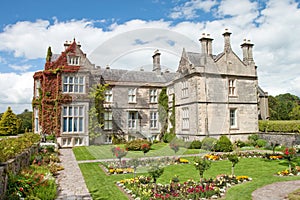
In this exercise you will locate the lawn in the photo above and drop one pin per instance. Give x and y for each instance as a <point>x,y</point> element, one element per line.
<point>104,152</point>
<point>262,171</point>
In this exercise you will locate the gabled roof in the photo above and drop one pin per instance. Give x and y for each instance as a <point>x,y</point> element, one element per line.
<point>195,58</point>
<point>136,76</point>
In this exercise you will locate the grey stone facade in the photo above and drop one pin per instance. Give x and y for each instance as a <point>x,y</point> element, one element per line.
<point>214,95</point>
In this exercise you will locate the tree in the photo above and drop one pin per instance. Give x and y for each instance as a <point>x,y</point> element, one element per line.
<point>295,113</point>
<point>155,172</point>
<point>9,123</point>
<point>49,55</point>
<point>201,164</point>
<point>163,110</point>
<point>234,159</point>
<point>26,121</point>
<point>172,116</point>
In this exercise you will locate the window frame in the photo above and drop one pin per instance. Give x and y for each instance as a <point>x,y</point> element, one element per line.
<point>108,95</point>
<point>185,118</point>
<point>153,120</point>
<point>108,120</point>
<point>233,119</point>
<point>132,122</point>
<point>67,84</point>
<point>73,60</point>
<point>153,95</point>
<point>132,95</point>
<point>184,89</point>
<point>232,87</point>
<point>73,120</point>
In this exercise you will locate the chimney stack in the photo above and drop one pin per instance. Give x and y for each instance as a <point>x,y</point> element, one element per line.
<point>156,61</point>
<point>206,44</point>
<point>247,51</point>
<point>227,46</point>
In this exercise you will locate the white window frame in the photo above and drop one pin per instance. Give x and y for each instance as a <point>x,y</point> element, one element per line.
<point>132,95</point>
<point>73,118</point>
<point>37,88</point>
<point>184,89</point>
<point>108,95</point>
<point>233,123</point>
<point>153,95</point>
<point>108,139</point>
<point>108,120</point>
<point>74,60</point>
<point>232,87</point>
<point>78,141</point>
<point>73,84</point>
<point>153,119</point>
<point>132,119</point>
<point>36,120</point>
<point>185,118</point>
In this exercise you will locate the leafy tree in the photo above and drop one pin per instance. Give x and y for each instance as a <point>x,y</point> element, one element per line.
<point>9,123</point>
<point>172,116</point>
<point>49,55</point>
<point>155,172</point>
<point>201,164</point>
<point>295,113</point>
<point>163,110</point>
<point>234,159</point>
<point>26,121</point>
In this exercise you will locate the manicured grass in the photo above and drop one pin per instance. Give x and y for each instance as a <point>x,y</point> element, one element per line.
<point>104,152</point>
<point>262,171</point>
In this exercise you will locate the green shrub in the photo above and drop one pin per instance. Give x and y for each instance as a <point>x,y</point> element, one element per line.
<point>118,140</point>
<point>253,139</point>
<point>240,143</point>
<point>196,144</point>
<point>223,144</point>
<point>179,142</point>
<point>135,145</point>
<point>208,143</point>
<point>261,143</point>
<point>288,126</point>
<point>168,137</point>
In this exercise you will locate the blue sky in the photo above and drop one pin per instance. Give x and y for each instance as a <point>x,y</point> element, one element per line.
<point>27,28</point>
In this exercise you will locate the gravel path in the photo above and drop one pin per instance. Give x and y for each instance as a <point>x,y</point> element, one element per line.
<point>71,184</point>
<point>276,191</point>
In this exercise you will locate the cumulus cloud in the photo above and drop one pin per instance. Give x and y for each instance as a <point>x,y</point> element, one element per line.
<point>189,9</point>
<point>16,91</point>
<point>271,28</point>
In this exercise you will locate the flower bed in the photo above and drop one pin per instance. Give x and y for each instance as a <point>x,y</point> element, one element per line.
<point>128,166</point>
<point>144,188</point>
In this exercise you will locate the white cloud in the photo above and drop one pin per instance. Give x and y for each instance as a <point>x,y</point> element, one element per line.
<point>189,9</point>
<point>21,68</point>
<point>273,30</point>
<point>16,91</point>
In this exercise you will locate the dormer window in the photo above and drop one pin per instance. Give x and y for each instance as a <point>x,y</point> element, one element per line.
<point>73,60</point>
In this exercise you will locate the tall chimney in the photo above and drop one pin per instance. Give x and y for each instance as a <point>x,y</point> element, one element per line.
<point>227,46</point>
<point>247,47</point>
<point>206,44</point>
<point>156,61</point>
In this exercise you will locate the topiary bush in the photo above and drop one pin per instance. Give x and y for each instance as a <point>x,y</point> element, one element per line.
<point>261,143</point>
<point>135,145</point>
<point>224,144</point>
<point>208,143</point>
<point>196,144</point>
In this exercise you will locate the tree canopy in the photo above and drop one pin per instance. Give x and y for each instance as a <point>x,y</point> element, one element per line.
<point>9,123</point>
<point>284,107</point>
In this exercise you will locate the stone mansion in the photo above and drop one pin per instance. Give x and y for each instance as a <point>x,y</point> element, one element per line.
<point>214,95</point>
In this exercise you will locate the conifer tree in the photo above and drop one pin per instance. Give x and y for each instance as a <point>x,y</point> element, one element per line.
<point>9,123</point>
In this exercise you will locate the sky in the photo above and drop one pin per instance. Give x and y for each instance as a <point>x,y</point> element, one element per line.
<point>124,34</point>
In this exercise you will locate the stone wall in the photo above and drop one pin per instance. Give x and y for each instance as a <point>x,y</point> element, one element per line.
<point>14,166</point>
<point>287,139</point>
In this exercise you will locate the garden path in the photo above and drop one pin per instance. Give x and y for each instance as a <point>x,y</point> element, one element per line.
<point>276,191</point>
<point>71,184</point>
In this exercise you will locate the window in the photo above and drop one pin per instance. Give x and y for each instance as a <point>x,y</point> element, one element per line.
<point>153,95</point>
<point>78,141</point>
<point>233,118</point>
<point>36,120</point>
<point>66,141</point>
<point>37,88</point>
<point>153,119</point>
<point>73,118</point>
<point>132,119</point>
<point>108,95</point>
<point>107,120</point>
<point>108,139</point>
<point>184,89</point>
<point>185,118</point>
<point>73,60</point>
<point>132,95</point>
<point>231,87</point>
<point>73,84</point>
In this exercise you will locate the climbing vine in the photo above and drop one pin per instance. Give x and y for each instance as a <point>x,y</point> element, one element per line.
<point>96,112</point>
<point>172,116</point>
<point>163,110</point>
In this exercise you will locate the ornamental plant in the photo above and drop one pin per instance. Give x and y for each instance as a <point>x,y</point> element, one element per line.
<point>155,172</point>
<point>145,148</point>
<point>289,154</point>
<point>120,153</point>
<point>174,147</point>
<point>234,159</point>
<point>201,164</point>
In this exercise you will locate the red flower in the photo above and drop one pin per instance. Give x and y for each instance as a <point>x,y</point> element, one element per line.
<point>21,189</point>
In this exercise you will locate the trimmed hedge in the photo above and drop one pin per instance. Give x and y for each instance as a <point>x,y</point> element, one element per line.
<point>135,145</point>
<point>289,126</point>
<point>223,144</point>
